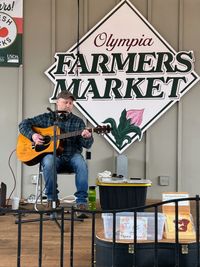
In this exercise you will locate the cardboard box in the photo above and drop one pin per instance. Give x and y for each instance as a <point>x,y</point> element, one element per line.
<point>186,229</point>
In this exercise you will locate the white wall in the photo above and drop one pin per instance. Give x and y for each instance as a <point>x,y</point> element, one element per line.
<point>170,147</point>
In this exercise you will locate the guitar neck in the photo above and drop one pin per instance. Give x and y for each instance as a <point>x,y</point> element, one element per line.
<point>69,134</point>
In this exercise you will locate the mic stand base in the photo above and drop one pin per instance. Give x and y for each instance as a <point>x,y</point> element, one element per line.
<point>53,216</point>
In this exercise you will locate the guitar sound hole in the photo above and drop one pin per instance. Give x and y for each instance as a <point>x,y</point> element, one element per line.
<point>39,148</point>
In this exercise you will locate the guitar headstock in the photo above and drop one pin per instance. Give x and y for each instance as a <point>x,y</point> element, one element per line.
<point>102,129</point>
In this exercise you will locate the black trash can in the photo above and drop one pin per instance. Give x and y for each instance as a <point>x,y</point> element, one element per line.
<point>122,195</point>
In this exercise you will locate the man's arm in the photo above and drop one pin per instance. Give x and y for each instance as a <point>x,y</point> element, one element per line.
<point>86,138</point>
<point>25,128</point>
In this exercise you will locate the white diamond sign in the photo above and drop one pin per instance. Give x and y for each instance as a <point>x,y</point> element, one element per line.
<point>123,74</point>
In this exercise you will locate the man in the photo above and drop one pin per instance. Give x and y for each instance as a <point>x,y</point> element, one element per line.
<point>71,158</point>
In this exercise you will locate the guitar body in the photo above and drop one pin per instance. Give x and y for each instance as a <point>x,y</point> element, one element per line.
<point>30,154</point>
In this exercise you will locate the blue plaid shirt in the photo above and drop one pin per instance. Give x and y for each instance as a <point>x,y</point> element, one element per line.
<point>71,123</point>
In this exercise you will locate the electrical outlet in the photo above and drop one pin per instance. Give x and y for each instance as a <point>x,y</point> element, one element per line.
<point>34,178</point>
<point>163,180</point>
<point>88,155</point>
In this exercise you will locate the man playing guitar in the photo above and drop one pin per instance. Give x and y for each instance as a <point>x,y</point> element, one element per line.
<point>70,159</point>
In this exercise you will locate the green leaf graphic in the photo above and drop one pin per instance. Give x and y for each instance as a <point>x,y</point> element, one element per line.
<point>121,133</point>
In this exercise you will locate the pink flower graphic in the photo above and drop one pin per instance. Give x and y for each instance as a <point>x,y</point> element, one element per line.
<point>136,116</point>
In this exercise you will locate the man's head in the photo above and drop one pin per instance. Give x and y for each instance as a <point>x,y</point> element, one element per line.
<point>65,101</point>
<point>65,95</point>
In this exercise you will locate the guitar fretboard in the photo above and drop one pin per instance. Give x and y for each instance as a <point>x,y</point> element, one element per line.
<point>69,134</point>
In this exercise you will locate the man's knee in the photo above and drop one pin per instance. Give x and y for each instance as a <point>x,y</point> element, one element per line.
<point>78,160</point>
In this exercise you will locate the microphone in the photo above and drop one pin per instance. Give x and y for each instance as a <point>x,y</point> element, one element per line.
<point>50,110</point>
<point>62,111</point>
<point>59,114</point>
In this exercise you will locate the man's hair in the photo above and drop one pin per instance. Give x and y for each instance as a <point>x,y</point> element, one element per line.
<point>65,95</point>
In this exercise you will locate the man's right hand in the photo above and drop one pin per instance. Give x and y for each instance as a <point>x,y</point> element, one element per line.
<point>37,139</point>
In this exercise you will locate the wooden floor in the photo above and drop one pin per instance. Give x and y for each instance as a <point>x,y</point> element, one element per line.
<point>51,243</point>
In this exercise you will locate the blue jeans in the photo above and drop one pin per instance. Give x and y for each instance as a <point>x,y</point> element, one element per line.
<point>75,164</point>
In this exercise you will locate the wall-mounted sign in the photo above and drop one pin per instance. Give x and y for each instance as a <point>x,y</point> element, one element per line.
<point>124,74</point>
<point>11,30</point>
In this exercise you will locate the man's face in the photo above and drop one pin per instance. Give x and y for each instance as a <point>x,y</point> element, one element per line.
<point>65,104</point>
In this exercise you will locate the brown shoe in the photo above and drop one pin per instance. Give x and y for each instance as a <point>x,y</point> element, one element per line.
<point>81,214</point>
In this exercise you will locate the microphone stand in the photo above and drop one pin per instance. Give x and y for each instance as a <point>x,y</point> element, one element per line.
<point>55,124</point>
<point>55,139</point>
<point>54,158</point>
<point>56,120</point>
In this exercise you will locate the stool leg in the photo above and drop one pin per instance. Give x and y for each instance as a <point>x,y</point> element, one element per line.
<point>38,190</point>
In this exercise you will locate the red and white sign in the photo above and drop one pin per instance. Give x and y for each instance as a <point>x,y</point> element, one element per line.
<point>123,73</point>
<point>11,30</point>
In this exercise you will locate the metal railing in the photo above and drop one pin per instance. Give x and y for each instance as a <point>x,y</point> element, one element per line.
<point>132,253</point>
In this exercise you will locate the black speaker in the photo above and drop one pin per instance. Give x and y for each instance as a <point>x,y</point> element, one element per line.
<point>3,195</point>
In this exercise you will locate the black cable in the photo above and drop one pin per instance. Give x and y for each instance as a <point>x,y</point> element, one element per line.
<point>13,175</point>
<point>78,34</point>
<point>78,27</point>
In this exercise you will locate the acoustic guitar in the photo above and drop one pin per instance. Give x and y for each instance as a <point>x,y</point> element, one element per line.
<point>31,154</point>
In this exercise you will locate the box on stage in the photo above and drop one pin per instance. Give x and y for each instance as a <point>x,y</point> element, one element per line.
<point>186,229</point>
